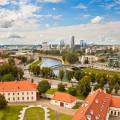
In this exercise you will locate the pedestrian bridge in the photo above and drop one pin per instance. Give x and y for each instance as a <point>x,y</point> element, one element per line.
<point>70,66</point>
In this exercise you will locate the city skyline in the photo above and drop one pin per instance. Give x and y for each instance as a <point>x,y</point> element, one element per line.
<point>35,21</point>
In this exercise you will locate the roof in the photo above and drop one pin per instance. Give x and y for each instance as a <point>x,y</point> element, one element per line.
<point>17,86</point>
<point>115,102</point>
<point>65,97</point>
<point>2,61</point>
<point>95,106</point>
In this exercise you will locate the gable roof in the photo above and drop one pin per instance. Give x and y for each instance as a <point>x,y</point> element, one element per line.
<point>95,106</point>
<point>65,97</point>
<point>115,102</point>
<point>17,86</point>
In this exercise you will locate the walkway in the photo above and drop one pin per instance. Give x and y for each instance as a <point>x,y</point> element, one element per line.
<point>63,110</point>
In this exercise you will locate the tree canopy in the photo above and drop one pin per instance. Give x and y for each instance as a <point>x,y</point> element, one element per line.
<point>43,86</point>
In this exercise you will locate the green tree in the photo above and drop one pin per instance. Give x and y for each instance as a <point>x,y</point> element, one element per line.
<point>72,91</point>
<point>3,102</point>
<point>77,75</point>
<point>117,87</point>
<point>61,74</point>
<point>69,75</point>
<point>84,85</point>
<point>16,72</point>
<point>43,86</point>
<point>61,87</point>
<point>72,57</point>
<point>8,77</point>
<point>47,72</point>
<point>11,61</point>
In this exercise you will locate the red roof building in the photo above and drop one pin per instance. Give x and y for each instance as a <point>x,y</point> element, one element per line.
<point>18,91</point>
<point>97,106</point>
<point>63,100</point>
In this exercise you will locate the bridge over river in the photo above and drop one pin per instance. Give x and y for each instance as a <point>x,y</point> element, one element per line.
<point>70,66</point>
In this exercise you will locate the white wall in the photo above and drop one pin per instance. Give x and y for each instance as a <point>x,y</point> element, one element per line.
<point>66,105</point>
<point>22,96</point>
<point>114,111</point>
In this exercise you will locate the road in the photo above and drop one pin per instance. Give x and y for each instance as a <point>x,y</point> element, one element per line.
<point>54,83</point>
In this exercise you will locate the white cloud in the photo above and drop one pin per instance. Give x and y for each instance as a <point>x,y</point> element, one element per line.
<point>97,20</point>
<point>21,19</point>
<point>54,9</point>
<point>90,32</point>
<point>80,6</point>
<point>4,2</point>
<point>52,1</point>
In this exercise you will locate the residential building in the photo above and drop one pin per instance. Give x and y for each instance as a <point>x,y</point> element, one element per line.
<point>63,100</point>
<point>45,46</point>
<point>88,59</point>
<point>18,91</point>
<point>99,105</point>
<point>114,62</point>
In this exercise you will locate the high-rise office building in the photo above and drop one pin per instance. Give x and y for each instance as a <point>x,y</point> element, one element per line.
<point>73,43</point>
<point>62,44</point>
<point>82,43</point>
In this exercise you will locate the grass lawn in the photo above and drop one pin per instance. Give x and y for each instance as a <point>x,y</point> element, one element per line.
<point>35,63</point>
<point>35,113</point>
<point>10,113</point>
<point>51,91</point>
<point>97,71</point>
<point>62,116</point>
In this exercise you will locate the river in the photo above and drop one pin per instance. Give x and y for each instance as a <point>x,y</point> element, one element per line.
<point>49,62</point>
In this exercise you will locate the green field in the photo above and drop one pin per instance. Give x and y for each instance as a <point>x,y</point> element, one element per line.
<point>10,113</point>
<point>35,63</point>
<point>61,116</point>
<point>97,71</point>
<point>51,91</point>
<point>35,113</point>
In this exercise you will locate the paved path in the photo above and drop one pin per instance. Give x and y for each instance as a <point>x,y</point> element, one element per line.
<point>46,103</point>
<point>63,110</point>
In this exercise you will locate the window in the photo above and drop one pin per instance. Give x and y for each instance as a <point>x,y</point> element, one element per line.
<point>13,93</point>
<point>111,112</point>
<point>32,93</point>
<point>8,93</point>
<point>22,93</point>
<point>13,98</point>
<point>18,93</point>
<point>115,113</point>
<point>9,99</point>
<point>22,98</point>
<point>32,98</point>
<point>27,93</point>
<point>27,98</point>
<point>18,98</point>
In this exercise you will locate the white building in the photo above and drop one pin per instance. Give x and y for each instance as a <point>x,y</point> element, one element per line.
<point>45,46</point>
<point>88,59</point>
<point>63,100</point>
<point>18,91</point>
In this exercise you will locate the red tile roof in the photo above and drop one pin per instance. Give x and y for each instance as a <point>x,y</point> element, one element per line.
<point>115,102</point>
<point>65,97</point>
<point>95,106</point>
<point>2,61</point>
<point>17,86</point>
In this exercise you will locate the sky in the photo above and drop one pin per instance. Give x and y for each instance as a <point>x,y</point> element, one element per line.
<point>35,21</point>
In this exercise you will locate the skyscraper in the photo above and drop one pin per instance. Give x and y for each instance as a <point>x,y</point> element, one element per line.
<point>72,43</point>
<point>82,43</point>
<point>62,44</point>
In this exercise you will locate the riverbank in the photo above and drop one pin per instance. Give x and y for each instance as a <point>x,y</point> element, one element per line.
<point>35,63</point>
